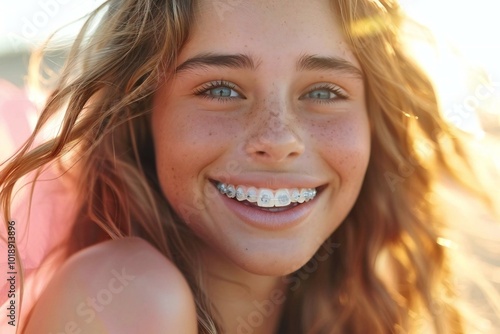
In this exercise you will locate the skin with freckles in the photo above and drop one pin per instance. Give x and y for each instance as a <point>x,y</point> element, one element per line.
<point>284,111</point>
<point>254,122</point>
<point>266,118</point>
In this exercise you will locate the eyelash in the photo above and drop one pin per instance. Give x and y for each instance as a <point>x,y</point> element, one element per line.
<point>201,91</point>
<point>340,94</point>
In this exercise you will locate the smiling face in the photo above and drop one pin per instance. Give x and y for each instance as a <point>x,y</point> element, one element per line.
<point>262,136</point>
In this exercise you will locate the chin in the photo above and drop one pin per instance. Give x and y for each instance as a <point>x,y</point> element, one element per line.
<point>273,262</point>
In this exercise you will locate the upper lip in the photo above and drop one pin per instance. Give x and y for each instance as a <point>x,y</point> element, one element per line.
<point>271,181</point>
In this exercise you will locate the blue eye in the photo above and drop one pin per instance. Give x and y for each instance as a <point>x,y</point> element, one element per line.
<point>221,90</point>
<point>327,93</point>
<point>321,94</point>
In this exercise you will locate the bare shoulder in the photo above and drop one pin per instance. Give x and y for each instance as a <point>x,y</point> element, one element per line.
<point>120,286</point>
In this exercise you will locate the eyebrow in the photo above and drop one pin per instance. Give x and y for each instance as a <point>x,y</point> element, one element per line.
<point>243,61</point>
<point>217,60</point>
<point>314,62</point>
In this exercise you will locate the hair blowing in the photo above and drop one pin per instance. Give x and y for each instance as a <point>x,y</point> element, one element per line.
<point>105,89</point>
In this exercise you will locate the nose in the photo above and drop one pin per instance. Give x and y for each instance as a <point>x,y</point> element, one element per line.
<point>273,138</point>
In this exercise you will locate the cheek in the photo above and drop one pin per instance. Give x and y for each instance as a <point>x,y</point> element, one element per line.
<point>185,144</point>
<point>345,145</point>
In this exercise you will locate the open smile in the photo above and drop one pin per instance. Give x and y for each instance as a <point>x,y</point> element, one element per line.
<point>267,208</point>
<point>267,198</point>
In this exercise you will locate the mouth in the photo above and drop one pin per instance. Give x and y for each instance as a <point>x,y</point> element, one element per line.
<point>265,199</point>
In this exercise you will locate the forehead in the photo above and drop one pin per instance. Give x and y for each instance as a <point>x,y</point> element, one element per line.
<point>278,28</point>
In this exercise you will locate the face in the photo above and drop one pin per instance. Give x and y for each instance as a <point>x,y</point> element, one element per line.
<point>262,136</point>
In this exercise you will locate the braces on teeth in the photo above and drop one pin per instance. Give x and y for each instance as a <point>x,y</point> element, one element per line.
<point>267,198</point>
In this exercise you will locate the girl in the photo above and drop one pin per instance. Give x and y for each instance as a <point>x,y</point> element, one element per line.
<point>238,167</point>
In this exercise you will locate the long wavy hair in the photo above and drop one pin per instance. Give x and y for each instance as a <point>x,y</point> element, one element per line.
<point>128,47</point>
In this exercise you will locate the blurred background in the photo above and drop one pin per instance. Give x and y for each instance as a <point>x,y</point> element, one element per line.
<point>463,59</point>
<point>25,24</point>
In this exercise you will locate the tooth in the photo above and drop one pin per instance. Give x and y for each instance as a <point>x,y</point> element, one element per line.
<point>307,195</point>
<point>230,191</point>
<point>222,188</point>
<point>282,198</point>
<point>240,193</point>
<point>311,194</point>
<point>252,195</point>
<point>302,197</point>
<point>265,198</point>
<point>295,195</point>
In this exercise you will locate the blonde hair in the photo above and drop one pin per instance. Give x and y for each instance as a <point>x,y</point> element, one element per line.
<point>106,89</point>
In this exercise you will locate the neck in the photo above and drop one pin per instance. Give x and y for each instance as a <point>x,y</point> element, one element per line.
<point>246,303</point>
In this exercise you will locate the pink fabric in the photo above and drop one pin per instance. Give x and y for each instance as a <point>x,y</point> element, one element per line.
<point>53,201</point>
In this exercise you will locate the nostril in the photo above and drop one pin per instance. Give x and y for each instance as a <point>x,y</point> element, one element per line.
<point>284,147</point>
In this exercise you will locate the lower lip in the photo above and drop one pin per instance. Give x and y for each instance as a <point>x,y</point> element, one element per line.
<point>266,220</point>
